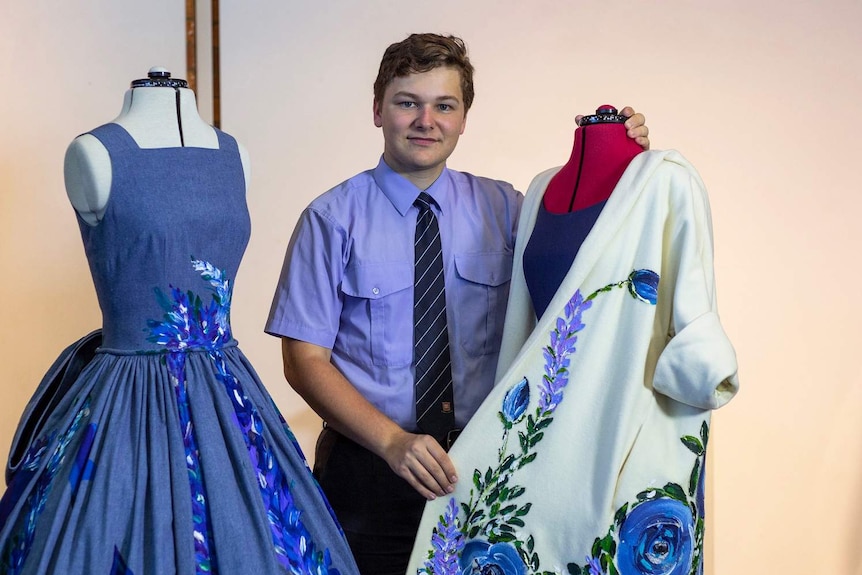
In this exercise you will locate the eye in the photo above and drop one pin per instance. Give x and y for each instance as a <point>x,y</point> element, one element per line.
<point>445,107</point>
<point>406,104</point>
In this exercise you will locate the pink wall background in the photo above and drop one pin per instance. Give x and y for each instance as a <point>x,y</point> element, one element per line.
<point>763,99</point>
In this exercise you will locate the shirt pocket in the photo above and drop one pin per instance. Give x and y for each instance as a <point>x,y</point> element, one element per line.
<point>377,317</point>
<point>482,291</point>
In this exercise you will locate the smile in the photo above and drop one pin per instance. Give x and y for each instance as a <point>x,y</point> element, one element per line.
<point>422,141</point>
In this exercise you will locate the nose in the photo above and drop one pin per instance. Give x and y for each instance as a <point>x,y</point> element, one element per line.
<point>425,118</point>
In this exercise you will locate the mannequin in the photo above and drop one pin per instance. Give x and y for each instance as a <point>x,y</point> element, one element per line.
<point>158,112</point>
<point>151,445</point>
<point>599,157</point>
<point>574,199</point>
<point>588,454</point>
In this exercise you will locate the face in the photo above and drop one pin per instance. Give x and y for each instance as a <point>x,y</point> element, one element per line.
<point>422,116</point>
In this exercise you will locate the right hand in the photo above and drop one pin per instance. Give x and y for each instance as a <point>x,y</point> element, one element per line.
<point>423,463</point>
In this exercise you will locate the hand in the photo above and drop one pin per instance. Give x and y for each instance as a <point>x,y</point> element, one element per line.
<point>420,461</point>
<point>636,127</point>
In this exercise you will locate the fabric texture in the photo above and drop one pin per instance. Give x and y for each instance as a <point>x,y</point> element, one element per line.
<point>347,282</point>
<point>588,456</point>
<point>162,452</point>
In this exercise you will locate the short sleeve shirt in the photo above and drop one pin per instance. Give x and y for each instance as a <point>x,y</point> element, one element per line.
<point>347,282</point>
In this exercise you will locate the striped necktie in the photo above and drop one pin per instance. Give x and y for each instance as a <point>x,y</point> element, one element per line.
<point>435,414</point>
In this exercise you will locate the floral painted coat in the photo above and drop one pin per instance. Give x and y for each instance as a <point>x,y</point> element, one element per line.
<point>589,455</point>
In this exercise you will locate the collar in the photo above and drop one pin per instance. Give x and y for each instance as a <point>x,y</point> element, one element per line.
<point>402,192</point>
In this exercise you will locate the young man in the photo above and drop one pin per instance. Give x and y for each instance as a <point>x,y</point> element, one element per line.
<point>345,301</point>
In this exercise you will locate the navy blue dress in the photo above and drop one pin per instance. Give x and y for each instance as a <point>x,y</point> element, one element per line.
<point>163,453</point>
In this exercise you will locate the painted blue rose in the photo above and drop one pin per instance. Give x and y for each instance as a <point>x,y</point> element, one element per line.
<point>482,558</point>
<point>515,402</point>
<point>656,539</point>
<point>643,284</point>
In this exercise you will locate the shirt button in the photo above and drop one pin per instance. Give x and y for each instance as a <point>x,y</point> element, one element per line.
<point>375,291</point>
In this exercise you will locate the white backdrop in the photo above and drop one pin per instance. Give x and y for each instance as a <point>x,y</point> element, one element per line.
<point>762,98</point>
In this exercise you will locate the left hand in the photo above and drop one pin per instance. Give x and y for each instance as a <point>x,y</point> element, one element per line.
<point>636,128</point>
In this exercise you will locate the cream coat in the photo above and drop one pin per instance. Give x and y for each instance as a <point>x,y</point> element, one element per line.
<point>602,470</point>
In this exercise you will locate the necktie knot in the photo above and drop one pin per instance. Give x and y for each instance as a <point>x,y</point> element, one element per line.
<point>424,202</point>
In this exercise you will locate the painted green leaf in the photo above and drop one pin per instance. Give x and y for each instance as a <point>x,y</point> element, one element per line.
<point>693,444</point>
<point>695,478</point>
<point>526,460</point>
<point>530,543</point>
<point>492,495</point>
<point>516,521</point>
<point>508,509</point>
<point>574,569</point>
<point>522,439</point>
<point>704,433</point>
<point>536,438</point>
<point>544,423</point>
<point>607,544</point>
<point>516,492</point>
<point>620,515</point>
<point>507,463</point>
<point>473,532</point>
<point>648,494</point>
<point>675,491</point>
<point>477,480</point>
<point>525,508</point>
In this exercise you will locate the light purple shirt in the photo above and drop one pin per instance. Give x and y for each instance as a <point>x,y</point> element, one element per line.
<point>347,282</point>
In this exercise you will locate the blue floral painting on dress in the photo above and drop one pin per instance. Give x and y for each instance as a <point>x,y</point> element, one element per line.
<point>190,324</point>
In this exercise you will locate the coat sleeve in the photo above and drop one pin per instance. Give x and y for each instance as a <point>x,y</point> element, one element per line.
<point>698,365</point>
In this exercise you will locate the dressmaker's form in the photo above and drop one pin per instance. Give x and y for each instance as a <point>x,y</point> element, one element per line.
<point>589,454</point>
<point>151,446</point>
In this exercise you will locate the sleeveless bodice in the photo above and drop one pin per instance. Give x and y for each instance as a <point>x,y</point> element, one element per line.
<point>165,254</point>
<point>552,248</point>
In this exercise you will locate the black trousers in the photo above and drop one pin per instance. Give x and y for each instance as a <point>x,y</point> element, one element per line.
<point>378,510</point>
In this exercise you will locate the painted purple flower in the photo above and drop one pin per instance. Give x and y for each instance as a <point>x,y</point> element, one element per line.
<point>482,558</point>
<point>515,402</point>
<point>594,566</point>
<point>447,541</point>
<point>643,285</point>
<point>656,539</point>
<point>556,355</point>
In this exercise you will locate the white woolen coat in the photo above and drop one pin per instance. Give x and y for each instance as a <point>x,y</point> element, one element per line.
<point>640,378</point>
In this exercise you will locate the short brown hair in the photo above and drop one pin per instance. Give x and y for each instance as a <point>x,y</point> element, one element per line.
<point>423,52</point>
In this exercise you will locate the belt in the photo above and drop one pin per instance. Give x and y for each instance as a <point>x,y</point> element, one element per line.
<point>449,439</point>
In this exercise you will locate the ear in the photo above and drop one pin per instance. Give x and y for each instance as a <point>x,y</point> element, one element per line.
<point>463,125</point>
<point>378,118</point>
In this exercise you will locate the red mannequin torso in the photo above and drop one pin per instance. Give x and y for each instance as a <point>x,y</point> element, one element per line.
<point>601,153</point>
